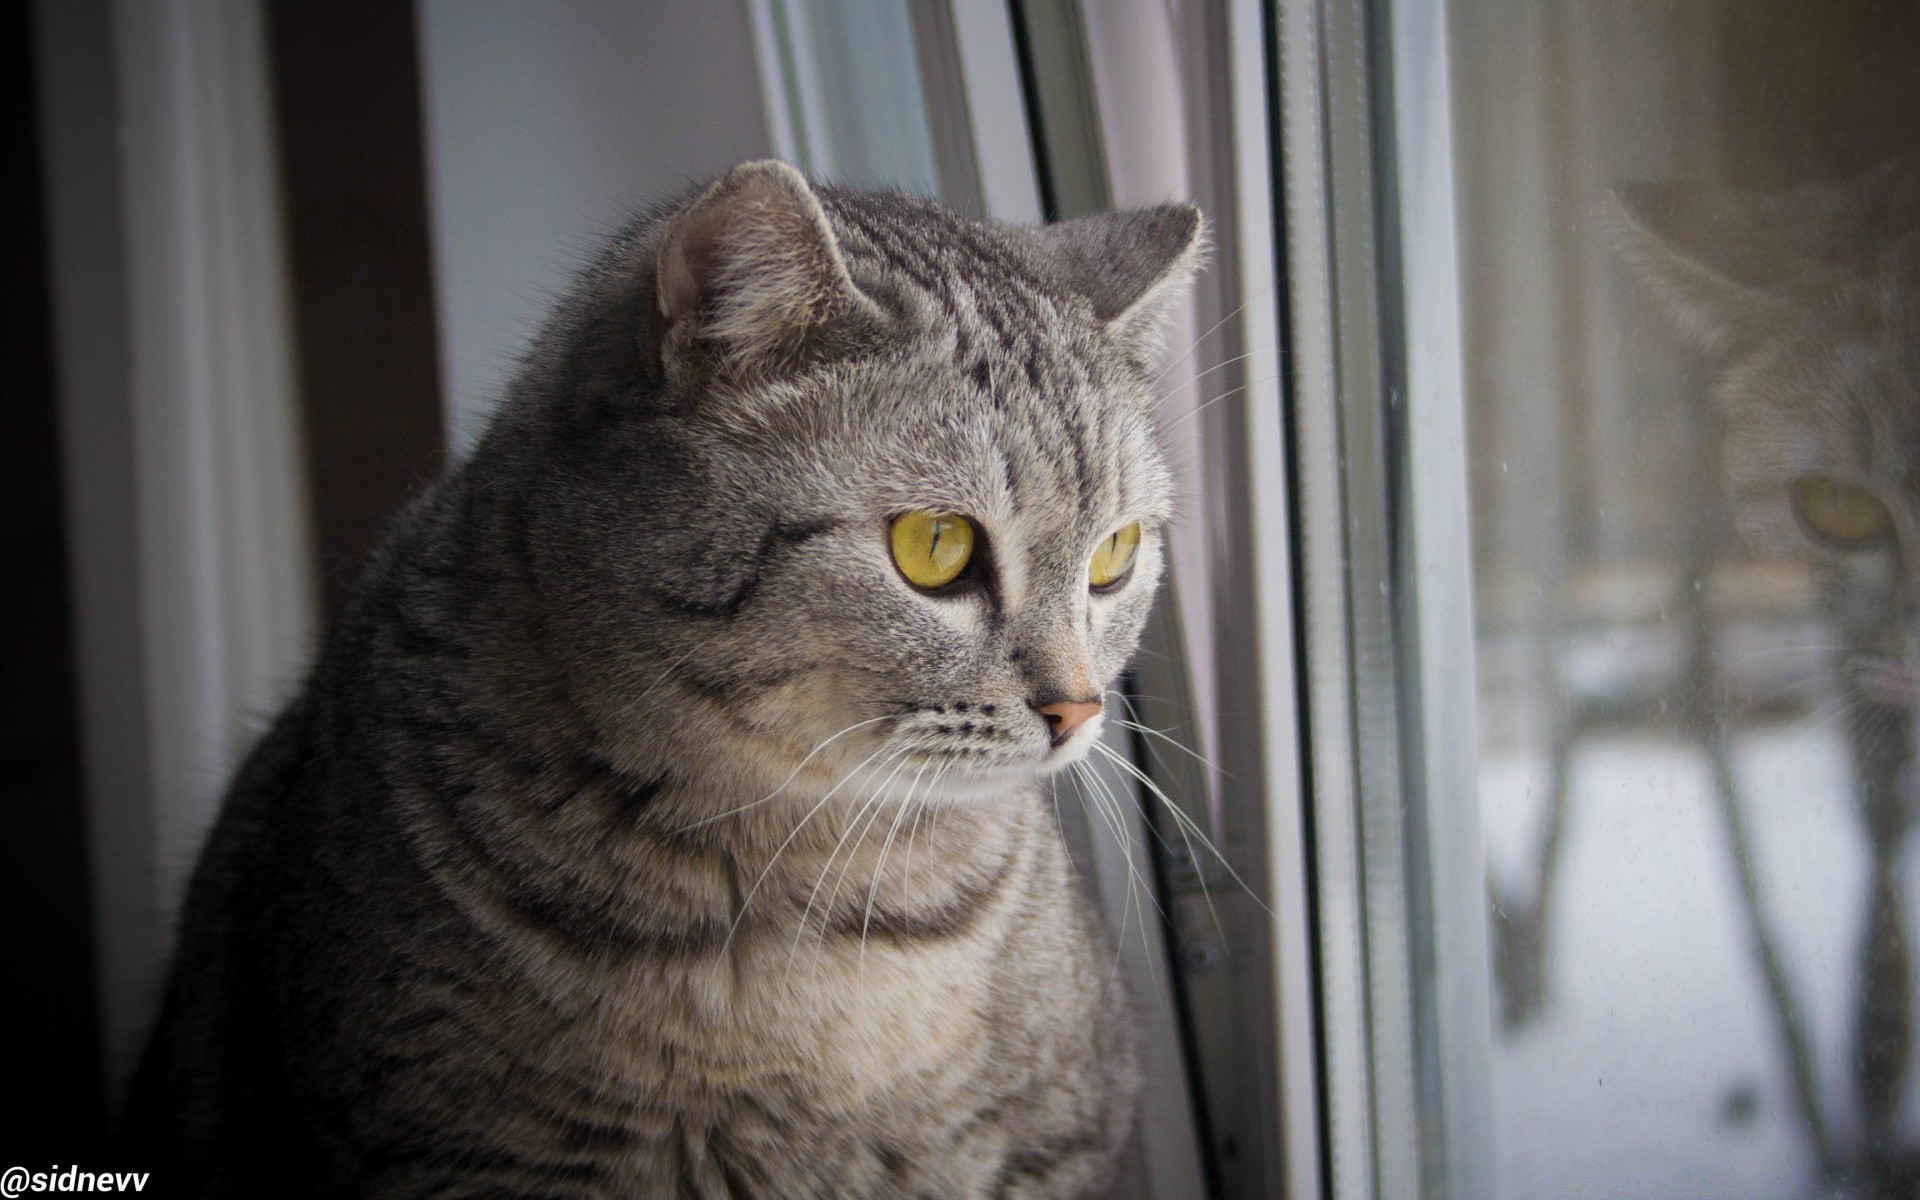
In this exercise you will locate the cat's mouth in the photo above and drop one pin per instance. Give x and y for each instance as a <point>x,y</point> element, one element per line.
<point>960,750</point>
<point>960,771</point>
<point>1886,681</point>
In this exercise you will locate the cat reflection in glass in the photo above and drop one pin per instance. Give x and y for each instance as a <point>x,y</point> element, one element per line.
<point>1809,302</point>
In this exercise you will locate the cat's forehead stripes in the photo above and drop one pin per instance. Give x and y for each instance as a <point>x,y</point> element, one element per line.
<point>988,296</point>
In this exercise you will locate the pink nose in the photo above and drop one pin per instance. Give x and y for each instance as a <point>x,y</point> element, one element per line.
<point>1065,716</point>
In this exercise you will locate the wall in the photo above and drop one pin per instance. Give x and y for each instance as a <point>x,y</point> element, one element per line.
<point>548,125</point>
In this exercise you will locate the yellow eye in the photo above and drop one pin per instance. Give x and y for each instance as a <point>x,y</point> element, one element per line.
<point>931,549</point>
<point>1113,557</point>
<point>1839,513</point>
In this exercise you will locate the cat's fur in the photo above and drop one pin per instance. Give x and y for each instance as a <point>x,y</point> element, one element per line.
<point>640,831</point>
<point>1809,298</point>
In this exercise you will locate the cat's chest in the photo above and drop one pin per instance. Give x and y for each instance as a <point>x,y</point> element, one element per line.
<point>848,1023</point>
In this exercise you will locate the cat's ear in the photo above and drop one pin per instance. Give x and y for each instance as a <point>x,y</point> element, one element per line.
<point>1133,267</point>
<point>751,278</point>
<point>1710,262</point>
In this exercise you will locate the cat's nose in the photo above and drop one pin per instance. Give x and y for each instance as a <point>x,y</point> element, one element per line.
<point>1065,716</point>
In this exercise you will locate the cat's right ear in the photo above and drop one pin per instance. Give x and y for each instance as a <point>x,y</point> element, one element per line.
<point>1702,257</point>
<point>1131,267</point>
<point>751,278</point>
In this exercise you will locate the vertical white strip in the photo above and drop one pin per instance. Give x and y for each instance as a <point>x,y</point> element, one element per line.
<point>267,559</point>
<point>997,107</point>
<point>216,507</point>
<point>769,59</point>
<point>225,537</point>
<point>1273,567</point>
<point>1338,876</point>
<point>1143,104</point>
<point>78,99</point>
<point>1437,507</point>
<point>812,122</point>
<point>175,451</point>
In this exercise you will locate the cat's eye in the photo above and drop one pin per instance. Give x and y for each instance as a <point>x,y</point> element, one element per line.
<point>931,549</point>
<point>1113,557</point>
<point>1839,513</point>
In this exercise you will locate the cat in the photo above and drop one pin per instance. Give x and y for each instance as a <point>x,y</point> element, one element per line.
<point>1809,300</point>
<point>664,814</point>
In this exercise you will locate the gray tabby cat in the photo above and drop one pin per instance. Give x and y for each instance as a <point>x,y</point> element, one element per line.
<point>1810,298</point>
<point>664,815</point>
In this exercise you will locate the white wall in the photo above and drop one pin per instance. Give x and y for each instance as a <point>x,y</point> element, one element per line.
<point>547,124</point>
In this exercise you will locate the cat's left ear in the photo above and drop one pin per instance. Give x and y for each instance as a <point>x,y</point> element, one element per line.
<point>751,278</point>
<point>1133,267</point>
<point>1708,255</point>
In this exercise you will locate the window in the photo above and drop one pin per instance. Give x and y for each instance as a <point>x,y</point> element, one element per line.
<point>1610,636</point>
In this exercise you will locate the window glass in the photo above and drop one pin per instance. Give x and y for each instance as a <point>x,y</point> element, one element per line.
<point>850,94</point>
<point>1689,269</point>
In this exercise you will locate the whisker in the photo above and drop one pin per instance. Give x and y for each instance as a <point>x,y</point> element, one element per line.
<point>870,804</point>
<point>1150,731</point>
<point>1206,893</point>
<point>906,871</point>
<point>666,671</point>
<point>1187,821</point>
<point>1135,883</point>
<point>1161,373</point>
<point>1824,714</point>
<point>1239,308</point>
<point>1084,790</point>
<point>1195,378</point>
<point>1060,824</point>
<point>873,887</point>
<point>1147,824</point>
<point>1200,408</point>
<point>747,902</point>
<point>790,775</point>
<point>1145,886</point>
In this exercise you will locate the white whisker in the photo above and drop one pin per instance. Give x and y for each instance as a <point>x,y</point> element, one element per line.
<point>1149,731</point>
<point>1200,408</point>
<point>1134,882</point>
<point>1192,379</point>
<point>869,805</point>
<point>1187,821</point>
<point>666,671</point>
<point>1211,330</point>
<point>790,775</point>
<point>1206,893</point>
<point>873,886</point>
<point>1084,790</point>
<point>747,902</point>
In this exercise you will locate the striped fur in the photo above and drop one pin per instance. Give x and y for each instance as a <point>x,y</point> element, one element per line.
<point>640,832</point>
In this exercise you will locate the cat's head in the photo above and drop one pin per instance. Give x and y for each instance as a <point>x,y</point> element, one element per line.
<point>844,479</point>
<point>1810,300</point>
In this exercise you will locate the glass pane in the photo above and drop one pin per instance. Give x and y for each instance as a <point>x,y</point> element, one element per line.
<point>1689,246</point>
